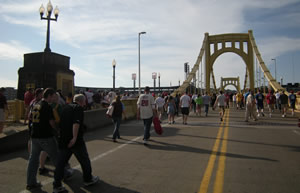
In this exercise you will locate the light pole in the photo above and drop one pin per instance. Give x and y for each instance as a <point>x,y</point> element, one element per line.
<point>154,74</point>
<point>140,61</point>
<point>48,18</point>
<point>134,78</point>
<point>159,82</point>
<point>275,69</point>
<point>114,75</point>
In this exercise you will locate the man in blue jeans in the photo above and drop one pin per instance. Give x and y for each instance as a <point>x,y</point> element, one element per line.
<point>71,142</point>
<point>146,110</point>
<point>42,138</point>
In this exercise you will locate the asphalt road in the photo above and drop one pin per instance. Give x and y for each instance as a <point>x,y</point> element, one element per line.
<point>205,156</point>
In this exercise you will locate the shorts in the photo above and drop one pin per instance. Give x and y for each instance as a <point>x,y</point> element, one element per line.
<point>222,108</point>
<point>160,109</point>
<point>284,106</point>
<point>260,106</point>
<point>185,110</point>
<point>293,106</point>
<point>171,111</point>
<point>2,115</point>
<point>271,106</point>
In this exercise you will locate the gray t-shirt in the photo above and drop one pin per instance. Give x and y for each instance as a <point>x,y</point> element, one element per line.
<point>206,99</point>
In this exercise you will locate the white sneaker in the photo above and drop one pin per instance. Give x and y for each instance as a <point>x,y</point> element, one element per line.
<point>59,189</point>
<point>145,142</point>
<point>94,180</point>
<point>282,116</point>
<point>258,115</point>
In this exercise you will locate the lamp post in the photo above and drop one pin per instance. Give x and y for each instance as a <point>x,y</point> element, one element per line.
<point>159,82</point>
<point>134,78</point>
<point>154,74</point>
<point>275,69</point>
<point>48,18</point>
<point>140,61</point>
<point>114,70</point>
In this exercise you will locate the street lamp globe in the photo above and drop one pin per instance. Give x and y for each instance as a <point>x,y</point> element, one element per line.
<point>56,12</point>
<point>42,10</point>
<point>114,63</point>
<point>49,8</point>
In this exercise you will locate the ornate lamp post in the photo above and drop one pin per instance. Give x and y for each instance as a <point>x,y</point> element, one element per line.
<point>48,18</point>
<point>114,70</point>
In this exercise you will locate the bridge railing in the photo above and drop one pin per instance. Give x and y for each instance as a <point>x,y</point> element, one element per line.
<point>15,111</point>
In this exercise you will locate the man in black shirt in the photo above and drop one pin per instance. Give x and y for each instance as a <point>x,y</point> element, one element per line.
<point>71,142</point>
<point>284,99</point>
<point>42,137</point>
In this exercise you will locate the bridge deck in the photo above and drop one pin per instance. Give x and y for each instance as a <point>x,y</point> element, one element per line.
<point>259,157</point>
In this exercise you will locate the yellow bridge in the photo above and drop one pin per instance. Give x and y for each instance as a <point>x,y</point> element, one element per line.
<point>242,44</point>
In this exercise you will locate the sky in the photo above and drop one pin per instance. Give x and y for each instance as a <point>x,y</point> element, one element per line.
<point>94,32</point>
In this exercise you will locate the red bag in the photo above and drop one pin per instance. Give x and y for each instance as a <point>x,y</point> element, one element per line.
<point>157,126</point>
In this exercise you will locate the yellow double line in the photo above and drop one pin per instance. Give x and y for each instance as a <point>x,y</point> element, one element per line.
<point>219,181</point>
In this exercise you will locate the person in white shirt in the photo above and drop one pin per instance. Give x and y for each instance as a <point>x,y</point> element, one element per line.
<point>234,105</point>
<point>278,106</point>
<point>221,101</point>
<point>160,102</point>
<point>250,107</point>
<point>185,103</point>
<point>146,110</point>
<point>111,96</point>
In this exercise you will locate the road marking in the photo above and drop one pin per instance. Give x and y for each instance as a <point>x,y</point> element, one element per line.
<point>211,162</point>
<point>219,181</point>
<point>297,132</point>
<point>50,180</point>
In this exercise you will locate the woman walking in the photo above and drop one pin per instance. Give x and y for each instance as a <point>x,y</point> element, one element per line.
<point>171,109</point>
<point>199,103</point>
<point>117,117</point>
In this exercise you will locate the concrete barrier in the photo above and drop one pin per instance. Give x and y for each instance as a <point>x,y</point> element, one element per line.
<point>93,119</point>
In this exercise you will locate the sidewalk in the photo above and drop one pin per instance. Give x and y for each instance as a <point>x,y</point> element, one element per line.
<point>11,128</point>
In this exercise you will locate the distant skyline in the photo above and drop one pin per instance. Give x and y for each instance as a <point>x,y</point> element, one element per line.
<point>94,32</point>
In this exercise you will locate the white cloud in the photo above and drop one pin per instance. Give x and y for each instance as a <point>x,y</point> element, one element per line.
<point>103,30</point>
<point>13,50</point>
<point>4,82</point>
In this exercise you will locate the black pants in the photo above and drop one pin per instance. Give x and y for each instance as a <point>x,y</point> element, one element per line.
<point>81,154</point>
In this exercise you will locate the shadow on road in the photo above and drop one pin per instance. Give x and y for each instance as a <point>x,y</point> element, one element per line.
<point>76,186</point>
<point>176,147</point>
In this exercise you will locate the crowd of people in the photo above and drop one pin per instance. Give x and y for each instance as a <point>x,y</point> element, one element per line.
<point>56,126</point>
<point>56,131</point>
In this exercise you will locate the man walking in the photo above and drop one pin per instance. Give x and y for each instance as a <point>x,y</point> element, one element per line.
<point>42,138</point>
<point>160,102</point>
<point>146,111</point>
<point>206,102</point>
<point>71,141</point>
<point>259,98</point>
<point>185,103</point>
<point>221,101</point>
<point>283,100</point>
<point>271,100</point>
<point>292,100</point>
<point>250,104</point>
